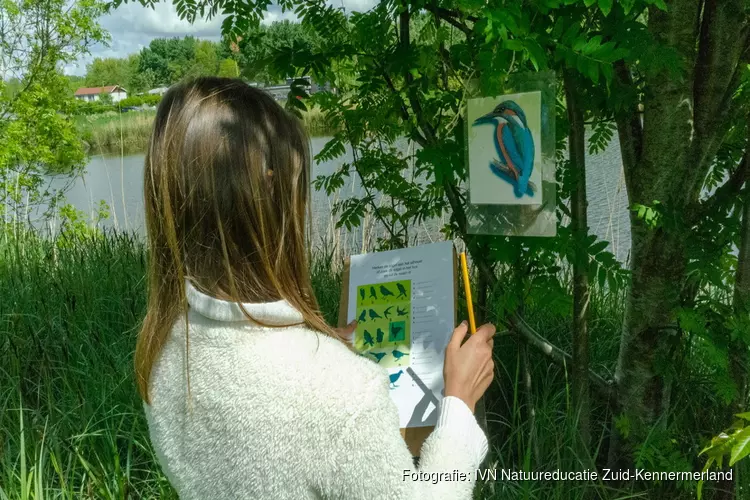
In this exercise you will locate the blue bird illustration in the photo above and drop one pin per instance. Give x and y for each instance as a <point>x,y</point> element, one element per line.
<point>387,312</point>
<point>514,145</point>
<point>380,334</point>
<point>401,290</point>
<point>368,339</point>
<point>372,293</point>
<point>362,293</point>
<point>374,314</point>
<point>394,377</point>
<point>384,292</point>
<point>398,354</point>
<point>378,356</point>
<point>401,312</point>
<point>362,316</point>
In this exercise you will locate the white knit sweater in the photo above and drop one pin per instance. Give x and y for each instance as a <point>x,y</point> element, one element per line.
<point>286,413</point>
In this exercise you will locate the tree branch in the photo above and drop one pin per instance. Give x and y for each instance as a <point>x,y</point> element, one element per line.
<point>717,75</point>
<point>604,388</point>
<point>451,18</point>
<point>629,128</point>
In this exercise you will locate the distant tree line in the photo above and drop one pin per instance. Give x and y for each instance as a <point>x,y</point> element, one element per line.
<point>168,60</point>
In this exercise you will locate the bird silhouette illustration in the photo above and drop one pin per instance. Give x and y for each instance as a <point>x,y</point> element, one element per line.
<point>394,377</point>
<point>368,339</point>
<point>362,316</point>
<point>387,312</point>
<point>380,334</point>
<point>362,293</point>
<point>401,290</point>
<point>398,354</point>
<point>514,145</point>
<point>384,292</point>
<point>378,356</point>
<point>372,293</point>
<point>374,314</point>
<point>401,312</point>
<point>395,330</point>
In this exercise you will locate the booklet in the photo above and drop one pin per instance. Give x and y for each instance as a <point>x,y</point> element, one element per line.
<point>404,302</point>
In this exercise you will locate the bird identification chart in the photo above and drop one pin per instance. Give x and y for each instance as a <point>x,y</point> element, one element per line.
<point>404,304</point>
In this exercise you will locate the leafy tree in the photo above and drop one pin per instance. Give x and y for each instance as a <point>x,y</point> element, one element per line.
<point>167,60</point>
<point>75,82</point>
<point>102,72</point>
<point>206,59</point>
<point>228,68</point>
<point>260,44</point>
<point>36,134</point>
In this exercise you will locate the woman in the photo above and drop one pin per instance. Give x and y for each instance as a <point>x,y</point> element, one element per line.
<point>248,392</point>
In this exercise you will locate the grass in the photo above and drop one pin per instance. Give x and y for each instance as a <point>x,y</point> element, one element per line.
<point>116,133</point>
<point>128,133</point>
<point>73,425</point>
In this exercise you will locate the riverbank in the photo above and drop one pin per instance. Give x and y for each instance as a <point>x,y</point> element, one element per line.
<point>114,133</point>
<point>71,311</point>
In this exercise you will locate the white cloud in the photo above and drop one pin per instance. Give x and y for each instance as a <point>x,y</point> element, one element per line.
<point>133,26</point>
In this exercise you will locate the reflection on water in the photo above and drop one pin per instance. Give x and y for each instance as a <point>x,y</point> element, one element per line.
<point>119,182</point>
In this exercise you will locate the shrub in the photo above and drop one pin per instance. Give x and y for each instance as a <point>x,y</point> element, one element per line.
<point>92,108</point>
<point>152,100</point>
<point>135,100</point>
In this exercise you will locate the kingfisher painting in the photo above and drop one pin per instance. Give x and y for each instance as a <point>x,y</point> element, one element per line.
<point>514,146</point>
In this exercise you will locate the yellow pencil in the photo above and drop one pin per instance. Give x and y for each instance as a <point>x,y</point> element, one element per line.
<point>467,289</point>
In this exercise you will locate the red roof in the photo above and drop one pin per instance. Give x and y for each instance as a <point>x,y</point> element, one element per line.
<point>98,90</point>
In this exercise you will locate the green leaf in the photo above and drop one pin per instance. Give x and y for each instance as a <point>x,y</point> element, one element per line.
<point>536,54</point>
<point>513,44</point>
<point>598,247</point>
<point>741,449</point>
<point>589,3</point>
<point>605,6</point>
<point>744,416</point>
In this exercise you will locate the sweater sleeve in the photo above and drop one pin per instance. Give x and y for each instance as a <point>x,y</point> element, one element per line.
<point>376,463</point>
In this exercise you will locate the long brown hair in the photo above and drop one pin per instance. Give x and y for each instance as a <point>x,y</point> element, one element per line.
<point>227,183</point>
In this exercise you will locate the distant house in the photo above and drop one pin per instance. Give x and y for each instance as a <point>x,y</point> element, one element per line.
<point>90,94</point>
<point>158,91</point>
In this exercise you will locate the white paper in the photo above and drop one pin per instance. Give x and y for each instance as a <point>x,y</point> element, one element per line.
<point>422,279</point>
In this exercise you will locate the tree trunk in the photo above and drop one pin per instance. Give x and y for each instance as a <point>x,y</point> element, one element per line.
<point>581,292</point>
<point>666,159</point>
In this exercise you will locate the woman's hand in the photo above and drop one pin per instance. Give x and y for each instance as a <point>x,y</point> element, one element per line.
<point>469,368</point>
<point>347,333</point>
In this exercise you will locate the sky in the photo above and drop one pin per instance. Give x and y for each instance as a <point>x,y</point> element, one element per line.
<point>132,27</point>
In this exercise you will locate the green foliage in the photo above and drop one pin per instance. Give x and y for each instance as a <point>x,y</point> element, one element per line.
<point>140,100</point>
<point>228,69</point>
<point>102,72</point>
<point>259,46</point>
<point>733,442</point>
<point>90,108</point>
<point>36,133</point>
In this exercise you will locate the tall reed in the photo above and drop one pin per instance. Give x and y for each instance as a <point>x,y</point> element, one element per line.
<point>73,426</point>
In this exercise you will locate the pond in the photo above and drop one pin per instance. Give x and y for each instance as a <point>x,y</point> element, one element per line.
<point>119,182</point>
